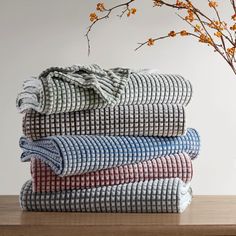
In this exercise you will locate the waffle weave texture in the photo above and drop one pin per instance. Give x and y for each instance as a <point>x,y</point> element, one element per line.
<point>70,155</point>
<point>134,120</point>
<point>172,166</point>
<point>59,90</point>
<point>153,196</point>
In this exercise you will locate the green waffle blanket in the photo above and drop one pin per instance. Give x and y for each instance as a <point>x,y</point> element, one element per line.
<point>59,90</point>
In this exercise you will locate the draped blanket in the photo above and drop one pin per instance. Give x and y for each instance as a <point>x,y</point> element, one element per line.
<point>134,120</point>
<point>59,90</point>
<point>78,154</point>
<point>172,166</point>
<point>153,196</point>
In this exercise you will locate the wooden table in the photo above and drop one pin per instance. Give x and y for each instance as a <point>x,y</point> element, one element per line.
<point>207,215</point>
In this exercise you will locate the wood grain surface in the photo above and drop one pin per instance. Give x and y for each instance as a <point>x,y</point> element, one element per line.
<point>207,215</point>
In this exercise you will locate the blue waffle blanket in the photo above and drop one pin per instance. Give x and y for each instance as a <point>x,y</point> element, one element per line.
<point>78,154</point>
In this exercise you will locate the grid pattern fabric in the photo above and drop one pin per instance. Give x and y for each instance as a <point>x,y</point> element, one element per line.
<point>172,166</point>
<point>59,90</point>
<point>71,155</point>
<point>153,196</point>
<point>55,86</point>
<point>134,120</point>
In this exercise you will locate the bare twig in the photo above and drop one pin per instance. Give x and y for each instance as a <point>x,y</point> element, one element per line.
<point>108,12</point>
<point>233,5</point>
<point>124,11</point>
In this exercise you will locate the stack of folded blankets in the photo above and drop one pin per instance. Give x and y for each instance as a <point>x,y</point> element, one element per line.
<point>107,141</point>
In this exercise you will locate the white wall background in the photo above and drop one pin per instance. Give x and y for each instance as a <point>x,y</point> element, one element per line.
<point>35,35</point>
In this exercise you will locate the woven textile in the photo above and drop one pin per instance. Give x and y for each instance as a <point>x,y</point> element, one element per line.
<point>70,155</point>
<point>59,90</point>
<point>134,120</point>
<point>156,196</point>
<point>178,165</point>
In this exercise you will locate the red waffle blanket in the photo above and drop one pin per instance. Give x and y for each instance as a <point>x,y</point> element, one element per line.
<point>172,166</point>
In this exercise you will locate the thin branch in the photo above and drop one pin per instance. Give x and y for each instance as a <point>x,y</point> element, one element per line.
<point>163,37</point>
<point>124,11</point>
<point>221,37</point>
<point>222,34</point>
<point>108,12</point>
<point>233,5</point>
<point>213,43</point>
<point>146,42</point>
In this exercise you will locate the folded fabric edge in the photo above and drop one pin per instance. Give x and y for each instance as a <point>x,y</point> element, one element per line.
<point>21,201</point>
<point>185,196</point>
<point>29,98</point>
<point>45,150</point>
<point>193,130</point>
<point>108,84</point>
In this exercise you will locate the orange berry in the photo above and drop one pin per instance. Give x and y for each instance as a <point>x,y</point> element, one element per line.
<point>205,39</point>
<point>133,10</point>
<point>231,51</point>
<point>184,33</point>
<point>157,3</point>
<point>233,27</point>
<point>100,6</point>
<point>93,16</point>
<point>218,34</point>
<point>150,42</point>
<point>233,17</point>
<point>172,34</point>
<point>213,4</point>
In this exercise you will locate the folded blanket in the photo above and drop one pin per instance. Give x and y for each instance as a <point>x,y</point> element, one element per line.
<point>134,120</point>
<point>59,90</point>
<point>70,155</point>
<point>172,166</point>
<point>153,196</point>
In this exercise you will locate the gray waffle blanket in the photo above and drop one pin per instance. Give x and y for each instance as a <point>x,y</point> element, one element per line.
<point>153,196</point>
<point>59,90</point>
<point>134,120</point>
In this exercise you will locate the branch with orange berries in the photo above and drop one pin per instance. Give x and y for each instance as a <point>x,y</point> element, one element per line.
<point>210,30</point>
<point>213,32</point>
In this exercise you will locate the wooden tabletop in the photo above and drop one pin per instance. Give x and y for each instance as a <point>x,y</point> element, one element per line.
<point>207,215</point>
